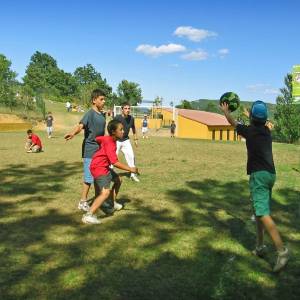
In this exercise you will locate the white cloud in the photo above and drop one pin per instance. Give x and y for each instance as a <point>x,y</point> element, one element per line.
<point>271,91</point>
<point>157,51</point>
<point>263,88</point>
<point>194,34</point>
<point>196,55</point>
<point>223,52</point>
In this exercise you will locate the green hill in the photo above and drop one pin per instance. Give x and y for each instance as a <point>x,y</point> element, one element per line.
<point>213,106</point>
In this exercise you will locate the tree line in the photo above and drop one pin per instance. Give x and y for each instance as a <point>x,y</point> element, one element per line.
<point>45,80</point>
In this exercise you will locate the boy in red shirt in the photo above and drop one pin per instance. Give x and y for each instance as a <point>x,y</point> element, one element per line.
<point>103,174</point>
<point>33,144</point>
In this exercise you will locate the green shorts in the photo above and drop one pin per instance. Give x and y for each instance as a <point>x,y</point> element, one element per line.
<point>261,183</point>
<point>104,181</point>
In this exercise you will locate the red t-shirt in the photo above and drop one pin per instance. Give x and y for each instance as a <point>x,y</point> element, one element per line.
<point>104,157</point>
<point>36,140</point>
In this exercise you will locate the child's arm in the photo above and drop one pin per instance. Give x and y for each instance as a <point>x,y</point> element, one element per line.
<point>124,167</point>
<point>76,130</point>
<point>230,119</point>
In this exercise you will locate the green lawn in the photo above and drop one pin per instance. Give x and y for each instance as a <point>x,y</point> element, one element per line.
<point>185,232</point>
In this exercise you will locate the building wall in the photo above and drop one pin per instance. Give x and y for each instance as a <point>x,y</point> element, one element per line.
<point>187,128</point>
<point>224,129</point>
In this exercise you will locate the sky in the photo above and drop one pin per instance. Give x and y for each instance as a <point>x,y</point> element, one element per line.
<point>173,49</point>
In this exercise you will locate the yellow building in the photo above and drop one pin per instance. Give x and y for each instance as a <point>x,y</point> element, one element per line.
<point>200,124</point>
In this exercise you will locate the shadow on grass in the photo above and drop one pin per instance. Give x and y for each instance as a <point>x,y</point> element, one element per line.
<point>195,247</point>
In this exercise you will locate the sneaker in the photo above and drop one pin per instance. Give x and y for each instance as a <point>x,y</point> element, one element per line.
<point>282,260</point>
<point>118,206</point>
<point>134,178</point>
<point>90,219</point>
<point>83,205</point>
<point>260,251</point>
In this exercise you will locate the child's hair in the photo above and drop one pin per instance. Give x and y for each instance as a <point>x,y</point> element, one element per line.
<point>96,93</point>
<point>29,131</point>
<point>112,126</point>
<point>124,104</point>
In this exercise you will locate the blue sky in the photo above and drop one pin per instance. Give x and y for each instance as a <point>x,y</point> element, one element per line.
<point>173,49</point>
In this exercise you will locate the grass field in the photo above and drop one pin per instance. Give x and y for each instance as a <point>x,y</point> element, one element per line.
<point>185,232</point>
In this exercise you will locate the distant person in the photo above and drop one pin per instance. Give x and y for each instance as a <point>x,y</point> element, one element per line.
<point>124,144</point>
<point>103,174</point>
<point>93,123</point>
<point>145,127</point>
<point>33,143</point>
<point>173,128</point>
<point>260,167</point>
<point>49,124</point>
<point>68,106</point>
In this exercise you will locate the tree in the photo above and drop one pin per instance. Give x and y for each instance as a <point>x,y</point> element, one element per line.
<point>158,101</point>
<point>287,114</point>
<point>88,79</point>
<point>129,92</point>
<point>185,104</point>
<point>44,77</point>
<point>212,107</point>
<point>7,83</point>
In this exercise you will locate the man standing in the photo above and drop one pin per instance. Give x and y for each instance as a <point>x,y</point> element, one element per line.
<point>49,124</point>
<point>68,106</point>
<point>145,127</point>
<point>93,123</point>
<point>124,144</point>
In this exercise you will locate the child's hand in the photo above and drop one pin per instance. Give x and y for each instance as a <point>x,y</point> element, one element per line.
<point>246,112</point>
<point>224,107</point>
<point>68,136</point>
<point>134,170</point>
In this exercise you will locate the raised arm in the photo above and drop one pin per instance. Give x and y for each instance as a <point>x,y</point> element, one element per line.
<point>228,116</point>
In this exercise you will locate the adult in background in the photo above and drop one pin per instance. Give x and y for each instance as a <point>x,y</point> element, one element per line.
<point>49,124</point>
<point>124,144</point>
<point>68,106</point>
<point>93,123</point>
<point>145,127</point>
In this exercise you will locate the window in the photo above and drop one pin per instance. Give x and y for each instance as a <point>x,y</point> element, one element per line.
<point>234,135</point>
<point>221,134</point>
<point>228,134</point>
<point>213,135</point>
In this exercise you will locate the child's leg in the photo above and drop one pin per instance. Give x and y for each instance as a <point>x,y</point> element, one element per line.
<point>260,232</point>
<point>28,144</point>
<point>271,228</point>
<point>116,187</point>
<point>85,190</point>
<point>87,178</point>
<point>100,199</point>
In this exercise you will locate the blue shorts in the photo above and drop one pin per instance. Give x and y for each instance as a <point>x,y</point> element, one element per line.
<point>87,176</point>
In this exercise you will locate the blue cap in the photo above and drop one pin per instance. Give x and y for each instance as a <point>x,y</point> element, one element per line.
<point>259,111</point>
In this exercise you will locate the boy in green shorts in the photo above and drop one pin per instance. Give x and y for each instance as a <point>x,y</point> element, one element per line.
<point>260,167</point>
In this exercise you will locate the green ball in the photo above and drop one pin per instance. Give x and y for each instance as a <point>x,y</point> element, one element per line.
<point>231,99</point>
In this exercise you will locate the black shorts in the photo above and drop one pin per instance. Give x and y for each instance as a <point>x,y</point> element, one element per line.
<point>104,181</point>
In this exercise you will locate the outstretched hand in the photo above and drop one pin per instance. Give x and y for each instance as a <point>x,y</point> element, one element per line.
<point>246,112</point>
<point>68,136</point>
<point>135,170</point>
<point>224,107</point>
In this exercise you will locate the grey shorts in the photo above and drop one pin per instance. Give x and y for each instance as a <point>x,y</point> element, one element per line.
<point>104,181</point>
